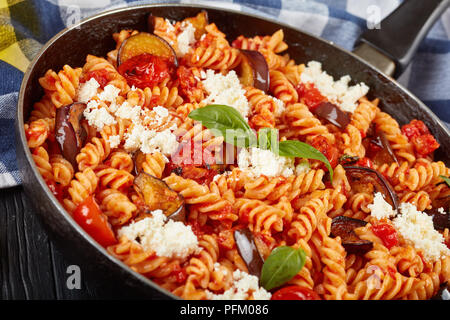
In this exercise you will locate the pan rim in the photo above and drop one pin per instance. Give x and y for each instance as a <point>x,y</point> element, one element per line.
<point>21,138</point>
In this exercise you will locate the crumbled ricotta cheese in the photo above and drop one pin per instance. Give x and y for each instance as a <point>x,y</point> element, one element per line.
<point>337,92</point>
<point>114,141</point>
<point>256,162</point>
<point>442,211</point>
<point>244,287</point>
<point>88,90</point>
<point>418,228</point>
<point>185,39</point>
<point>98,116</point>
<point>227,90</point>
<point>380,209</point>
<point>109,93</point>
<point>126,111</point>
<point>164,141</point>
<point>281,107</point>
<point>150,141</point>
<point>167,238</point>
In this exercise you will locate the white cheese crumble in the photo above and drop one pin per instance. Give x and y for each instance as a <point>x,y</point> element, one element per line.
<point>337,92</point>
<point>114,141</point>
<point>126,111</point>
<point>418,228</point>
<point>167,238</point>
<point>257,162</point>
<point>98,116</point>
<point>281,107</point>
<point>88,90</point>
<point>380,209</point>
<point>441,211</point>
<point>150,141</point>
<point>185,39</point>
<point>227,90</point>
<point>109,93</point>
<point>244,287</point>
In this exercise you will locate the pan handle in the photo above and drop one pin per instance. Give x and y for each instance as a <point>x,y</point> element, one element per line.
<point>403,30</point>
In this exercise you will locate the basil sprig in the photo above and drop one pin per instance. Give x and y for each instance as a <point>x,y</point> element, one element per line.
<point>294,148</point>
<point>229,123</point>
<point>446,179</point>
<point>268,139</point>
<point>281,266</point>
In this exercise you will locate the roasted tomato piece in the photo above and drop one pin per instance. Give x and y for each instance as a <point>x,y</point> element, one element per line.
<point>423,141</point>
<point>101,76</point>
<point>190,86</point>
<point>56,189</point>
<point>386,233</point>
<point>295,293</point>
<point>414,129</point>
<point>310,95</point>
<point>425,144</point>
<point>146,70</point>
<point>330,151</point>
<point>89,216</point>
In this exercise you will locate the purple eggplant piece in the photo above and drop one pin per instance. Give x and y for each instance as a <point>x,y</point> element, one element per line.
<point>249,252</point>
<point>333,114</point>
<point>343,227</point>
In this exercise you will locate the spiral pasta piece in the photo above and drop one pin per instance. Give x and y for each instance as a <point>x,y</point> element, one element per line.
<point>282,88</point>
<point>116,205</point>
<point>61,87</point>
<point>81,187</point>
<point>301,123</point>
<point>62,169</point>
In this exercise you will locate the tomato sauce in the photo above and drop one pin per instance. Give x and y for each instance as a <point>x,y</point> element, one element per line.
<point>146,70</point>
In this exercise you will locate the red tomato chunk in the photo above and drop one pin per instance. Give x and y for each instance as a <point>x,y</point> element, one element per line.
<point>146,70</point>
<point>386,233</point>
<point>101,76</point>
<point>418,134</point>
<point>310,95</point>
<point>89,216</point>
<point>295,293</point>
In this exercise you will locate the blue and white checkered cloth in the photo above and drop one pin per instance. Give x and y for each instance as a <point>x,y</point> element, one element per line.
<point>25,25</point>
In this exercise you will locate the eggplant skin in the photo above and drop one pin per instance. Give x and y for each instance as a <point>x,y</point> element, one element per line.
<point>343,227</point>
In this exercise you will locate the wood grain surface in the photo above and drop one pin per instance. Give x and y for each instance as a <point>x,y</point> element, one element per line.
<point>31,264</point>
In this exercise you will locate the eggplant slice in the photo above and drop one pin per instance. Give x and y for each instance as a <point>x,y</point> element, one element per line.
<point>344,227</point>
<point>144,42</point>
<point>69,133</point>
<point>249,252</point>
<point>360,179</point>
<point>157,195</point>
<point>254,70</point>
<point>333,114</point>
<point>441,221</point>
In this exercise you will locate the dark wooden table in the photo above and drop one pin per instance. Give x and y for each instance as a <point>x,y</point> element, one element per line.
<point>32,266</point>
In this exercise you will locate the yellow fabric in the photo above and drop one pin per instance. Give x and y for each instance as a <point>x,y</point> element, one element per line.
<point>10,51</point>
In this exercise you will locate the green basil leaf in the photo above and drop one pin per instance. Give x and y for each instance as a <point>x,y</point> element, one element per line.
<point>294,148</point>
<point>446,179</point>
<point>268,139</point>
<point>281,266</point>
<point>227,122</point>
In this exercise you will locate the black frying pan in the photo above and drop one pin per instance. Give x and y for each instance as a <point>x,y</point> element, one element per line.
<point>94,36</point>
